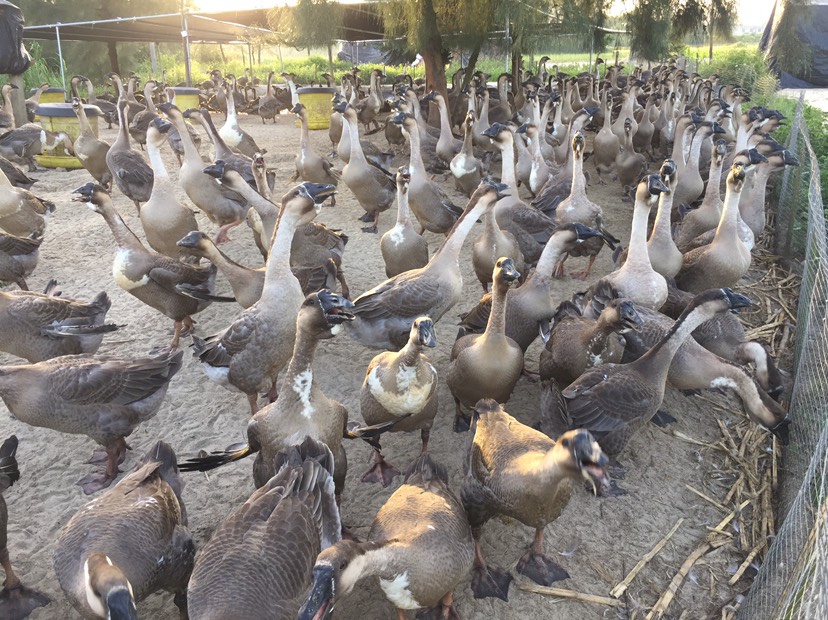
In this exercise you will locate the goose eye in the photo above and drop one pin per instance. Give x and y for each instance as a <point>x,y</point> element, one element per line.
<point>343,564</point>
<point>310,302</point>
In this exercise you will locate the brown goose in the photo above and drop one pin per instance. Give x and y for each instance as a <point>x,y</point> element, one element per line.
<point>21,212</point>
<point>384,314</point>
<point>90,150</point>
<point>531,304</point>
<point>164,219</point>
<point>447,145</point>
<point>130,172</point>
<point>629,165</point>
<point>104,398</point>
<point>665,257</point>
<point>128,543</point>
<point>434,210</point>
<point>516,471</point>
<point>403,249</point>
<point>606,146</point>
<point>141,121</point>
<point>616,401</point>
<point>18,258</point>
<point>258,562</point>
<point>16,600</point>
<point>489,246</point>
<point>486,365</point>
<point>40,326</point>
<point>309,165</point>
<point>268,106</point>
<point>401,385</point>
<point>251,352</point>
<point>148,276</point>
<point>6,110</point>
<point>15,175</point>
<point>419,548</point>
<point>465,167</point>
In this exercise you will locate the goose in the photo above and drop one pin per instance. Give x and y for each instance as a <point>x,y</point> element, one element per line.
<point>486,365</point>
<point>270,542</point>
<point>530,304</point>
<point>465,167</point>
<point>310,166</point>
<point>22,214</point>
<point>33,101</point>
<point>690,184</point>
<point>146,275</point>
<point>128,543</point>
<point>41,326</point>
<point>419,548</point>
<point>372,153</point>
<point>384,314</point>
<point>223,207</point>
<point>23,144</point>
<point>6,111</point>
<point>233,135</point>
<point>539,171</point>
<point>516,471</point>
<point>752,204</point>
<point>18,258</point>
<point>16,600</point>
<point>371,186</point>
<point>164,219</point>
<point>629,165</point>
<point>402,248</point>
<point>606,147</point>
<point>636,279</point>
<point>15,175</point>
<point>643,138</point>
<point>305,410</point>
<point>90,150</point>
<point>707,216</point>
<point>139,123</point>
<point>174,138</point>
<point>133,105</point>
<point>105,398</point>
<point>434,210</point>
<point>576,341</point>
<point>489,246</point>
<point>269,107</point>
<point>109,109</point>
<point>250,353</point>
<point>616,401</point>
<point>401,385</point>
<point>726,259</point>
<point>665,257</point>
<point>130,172</point>
<point>447,145</point>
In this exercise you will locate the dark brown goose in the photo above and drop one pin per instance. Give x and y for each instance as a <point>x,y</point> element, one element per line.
<point>128,543</point>
<point>518,472</point>
<point>130,172</point>
<point>90,150</point>
<point>18,258</point>
<point>15,175</point>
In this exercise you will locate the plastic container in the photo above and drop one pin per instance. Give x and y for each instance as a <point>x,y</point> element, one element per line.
<point>53,95</point>
<point>186,98</point>
<point>57,117</point>
<point>318,103</point>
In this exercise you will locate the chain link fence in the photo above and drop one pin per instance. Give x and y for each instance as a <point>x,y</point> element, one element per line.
<point>792,583</point>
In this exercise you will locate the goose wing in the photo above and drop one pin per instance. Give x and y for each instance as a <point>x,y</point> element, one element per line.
<point>130,167</point>
<point>602,400</point>
<point>405,295</point>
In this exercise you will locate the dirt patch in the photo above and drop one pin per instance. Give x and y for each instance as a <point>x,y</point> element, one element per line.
<point>597,540</point>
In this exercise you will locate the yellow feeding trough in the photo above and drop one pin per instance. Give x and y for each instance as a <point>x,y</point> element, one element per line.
<point>50,95</point>
<point>318,103</point>
<point>59,117</point>
<point>186,98</point>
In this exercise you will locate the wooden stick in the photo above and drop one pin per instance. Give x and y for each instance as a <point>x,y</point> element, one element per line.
<point>706,498</point>
<point>570,594</point>
<point>743,567</point>
<point>619,590</point>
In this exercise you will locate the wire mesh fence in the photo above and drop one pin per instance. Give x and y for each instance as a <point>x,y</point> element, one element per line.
<point>792,583</point>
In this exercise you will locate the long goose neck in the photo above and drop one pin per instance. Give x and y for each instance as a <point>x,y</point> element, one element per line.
<point>468,141</point>
<point>578,181</point>
<point>416,157</point>
<point>547,469</point>
<point>124,237</point>
<point>658,359</point>
<point>222,149</point>
<point>304,135</point>
<point>662,228</point>
<point>122,140</point>
<point>356,148</point>
<point>552,253</point>
<point>190,151</point>
<point>711,194</point>
<point>409,355</point>
<point>148,98</point>
<point>484,110</point>
<point>159,170</point>
<point>86,128</point>
<point>450,250</point>
<point>445,123</point>
<point>496,325</point>
<point>638,254</point>
<point>695,152</point>
<point>304,350</point>
<point>403,212</point>
<point>278,259</point>
<point>728,223</point>
<point>507,165</point>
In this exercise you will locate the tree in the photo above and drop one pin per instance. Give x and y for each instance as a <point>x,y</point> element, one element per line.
<point>311,23</point>
<point>649,25</point>
<point>694,17</point>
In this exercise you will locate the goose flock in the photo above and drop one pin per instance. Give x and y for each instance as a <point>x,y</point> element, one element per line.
<point>490,181</point>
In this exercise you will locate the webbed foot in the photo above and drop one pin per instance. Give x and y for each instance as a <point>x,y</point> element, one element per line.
<point>18,602</point>
<point>540,569</point>
<point>491,582</point>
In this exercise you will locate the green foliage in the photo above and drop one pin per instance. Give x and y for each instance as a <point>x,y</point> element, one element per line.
<point>311,23</point>
<point>738,65</point>
<point>40,72</point>
<point>649,23</point>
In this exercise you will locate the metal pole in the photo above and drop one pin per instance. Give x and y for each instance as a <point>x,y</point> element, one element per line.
<point>185,34</point>
<point>153,60</point>
<point>508,53</point>
<point>60,57</point>
<point>281,61</point>
<point>591,47</point>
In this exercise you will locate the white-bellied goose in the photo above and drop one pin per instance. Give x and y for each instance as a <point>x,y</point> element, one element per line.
<point>402,247</point>
<point>128,543</point>
<point>16,600</point>
<point>419,549</point>
<point>104,398</point>
<point>516,471</point>
<point>233,135</point>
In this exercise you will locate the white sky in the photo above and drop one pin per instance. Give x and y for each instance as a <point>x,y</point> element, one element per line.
<point>752,13</point>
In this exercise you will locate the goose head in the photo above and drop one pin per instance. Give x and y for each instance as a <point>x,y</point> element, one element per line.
<point>215,170</point>
<point>93,195</point>
<point>337,570</point>
<point>305,200</point>
<point>627,126</point>
<point>579,453</point>
<point>194,240</point>
<point>468,122</point>
<point>523,128</point>
<point>505,272</point>
<point>573,234</point>
<point>340,106</point>
<point>323,313</point>
<point>404,120</point>
<point>650,187</point>
<point>157,131</point>
<point>423,333</point>
<point>108,592</point>
<point>622,313</point>
<point>749,159</point>
<point>667,174</point>
<point>578,143</point>
<point>736,177</point>
<point>719,152</point>
<point>498,133</point>
<point>403,179</point>
<point>299,110</point>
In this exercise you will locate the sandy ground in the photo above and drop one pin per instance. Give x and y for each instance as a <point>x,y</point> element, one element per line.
<point>597,540</point>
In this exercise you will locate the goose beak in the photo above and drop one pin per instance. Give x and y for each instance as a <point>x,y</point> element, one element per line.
<point>718,129</point>
<point>398,118</point>
<point>782,431</point>
<point>191,240</point>
<point>425,334</point>
<point>336,308</point>
<point>319,192</point>
<point>656,186</point>
<point>789,159</point>
<point>630,318</point>
<point>585,232</point>
<point>216,170</point>
<point>510,272</point>
<point>430,96</point>
<point>523,128</point>
<point>84,192</point>
<point>404,173</point>
<point>492,131</point>
<point>161,125</point>
<point>736,300</point>
<point>318,605</point>
<point>120,605</point>
<point>295,109</point>
<point>500,188</point>
<point>591,460</point>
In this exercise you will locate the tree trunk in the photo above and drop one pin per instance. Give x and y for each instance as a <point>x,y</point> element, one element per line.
<point>223,57</point>
<point>330,60</point>
<point>432,51</point>
<point>710,27</point>
<point>467,77</point>
<point>18,99</point>
<point>113,57</point>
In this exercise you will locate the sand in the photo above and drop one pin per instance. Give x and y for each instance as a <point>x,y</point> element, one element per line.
<point>596,540</point>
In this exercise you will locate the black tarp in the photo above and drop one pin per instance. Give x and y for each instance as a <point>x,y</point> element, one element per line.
<point>14,58</point>
<point>812,31</point>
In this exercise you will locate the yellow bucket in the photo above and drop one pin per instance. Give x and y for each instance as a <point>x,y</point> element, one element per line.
<point>186,98</point>
<point>59,117</point>
<point>318,103</point>
<point>53,95</point>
